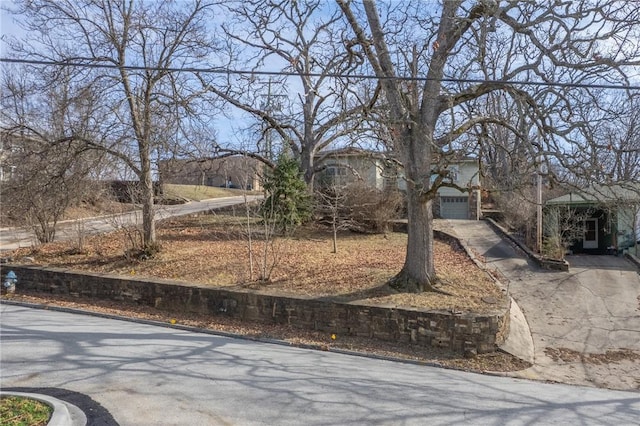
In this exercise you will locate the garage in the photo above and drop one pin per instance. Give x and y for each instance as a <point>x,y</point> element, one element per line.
<point>454,207</point>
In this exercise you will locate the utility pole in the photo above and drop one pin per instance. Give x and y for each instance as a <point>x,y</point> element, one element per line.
<point>539,207</point>
<point>539,160</point>
<point>269,108</point>
<point>268,148</point>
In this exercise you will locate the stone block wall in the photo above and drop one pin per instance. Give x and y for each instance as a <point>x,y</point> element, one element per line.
<point>443,329</point>
<point>474,204</point>
<point>436,208</point>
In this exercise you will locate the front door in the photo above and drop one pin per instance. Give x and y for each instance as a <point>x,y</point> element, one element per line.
<point>590,234</point>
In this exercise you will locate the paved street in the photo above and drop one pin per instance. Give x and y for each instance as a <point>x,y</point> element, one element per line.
<point>575,317</point>
<point>150,375</point>
<point>11,238</point>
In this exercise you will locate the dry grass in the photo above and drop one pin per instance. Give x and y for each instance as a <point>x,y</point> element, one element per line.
<point>213,251</point>
<point>104,207</point>
<point>21,411</point>
<point>198,192</point>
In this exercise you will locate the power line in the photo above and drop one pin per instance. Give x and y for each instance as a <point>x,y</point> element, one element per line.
<point>228,71</point>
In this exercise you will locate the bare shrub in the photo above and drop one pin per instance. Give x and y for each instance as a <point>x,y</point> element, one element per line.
<point>330,208</point>
<point>363,208</point>
<point>562,227</point>
<point>130,223</point>
<point>48,180</point>
<point>519,213</point>
<point>264,249</point>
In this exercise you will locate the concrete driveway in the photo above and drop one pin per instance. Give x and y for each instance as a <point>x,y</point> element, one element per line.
<point>585,323</point>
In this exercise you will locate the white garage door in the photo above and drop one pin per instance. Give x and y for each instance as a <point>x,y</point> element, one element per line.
<point>454,207</point>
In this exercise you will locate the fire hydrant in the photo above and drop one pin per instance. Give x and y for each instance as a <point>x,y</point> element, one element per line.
<point>10,282</point>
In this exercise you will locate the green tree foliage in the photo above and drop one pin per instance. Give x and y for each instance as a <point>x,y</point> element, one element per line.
<point>288,202</point>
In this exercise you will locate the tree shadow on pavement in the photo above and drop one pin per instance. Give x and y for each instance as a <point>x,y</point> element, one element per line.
<point>244,382</point>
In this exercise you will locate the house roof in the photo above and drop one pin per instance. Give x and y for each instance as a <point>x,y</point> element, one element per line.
<point>359,152</point>
<point>601,194</point>
<point>350,152</point>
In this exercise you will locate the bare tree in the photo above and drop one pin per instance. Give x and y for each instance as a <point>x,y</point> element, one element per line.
<point>44,178</point>
<point>508,162</point>
<point>311,110</point>
<point>127,53</point>
<point>561,43</point>
<point>617,141</point>
<point>330,206</point>
<point>46,182</point>
<point>264,242</point>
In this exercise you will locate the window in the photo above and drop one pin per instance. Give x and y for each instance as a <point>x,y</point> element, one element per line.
<point>450,173</point>
<point>454,199</point>
<point>335,175</point>
<point>453,173</point>
<point>336,171</point>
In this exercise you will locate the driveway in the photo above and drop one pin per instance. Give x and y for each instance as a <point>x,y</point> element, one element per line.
<point>585,323</point>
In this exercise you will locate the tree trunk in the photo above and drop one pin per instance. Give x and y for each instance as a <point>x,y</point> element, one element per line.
<point>418,272</point>
<point>148,219</point>
<point>307,165</point>
<point>146,192</point>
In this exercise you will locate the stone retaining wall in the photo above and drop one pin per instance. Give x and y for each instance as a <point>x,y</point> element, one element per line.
<point>443,329</point>
<point>542,262</point>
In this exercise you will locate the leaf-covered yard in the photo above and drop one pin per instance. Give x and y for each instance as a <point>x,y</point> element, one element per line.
<point>213,250</point>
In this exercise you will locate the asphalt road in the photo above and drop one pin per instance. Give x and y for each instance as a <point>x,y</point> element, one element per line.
<point>150,375</point>
<point>12,238</point>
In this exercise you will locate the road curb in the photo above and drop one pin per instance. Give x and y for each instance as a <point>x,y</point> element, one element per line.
<point>64,413</point>
<point>519,343</point>
<point>633,260</point>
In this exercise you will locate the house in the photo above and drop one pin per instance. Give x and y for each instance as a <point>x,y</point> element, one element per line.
<point>378,170</point>
<point>9,151</point>
<point>229,172</point>
<point>342,166</point>
<point>608,216</point>
<point>452,203</point>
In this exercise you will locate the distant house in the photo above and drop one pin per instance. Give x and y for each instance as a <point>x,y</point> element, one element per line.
<point>229,172</point>
<point>381,171</point>
<point>609,215</point>
<point>343,166</point>
<point>451,203</point>
<point>9,148</point>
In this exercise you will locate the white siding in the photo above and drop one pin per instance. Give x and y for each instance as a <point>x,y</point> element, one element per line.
<point>467,176</point>
<point>353,168</point>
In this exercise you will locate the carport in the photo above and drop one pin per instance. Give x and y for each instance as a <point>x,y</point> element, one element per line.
<point>606,218</point>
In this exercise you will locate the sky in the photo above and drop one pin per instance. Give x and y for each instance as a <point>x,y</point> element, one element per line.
<point>228,127</point>
<point>7,25</point>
